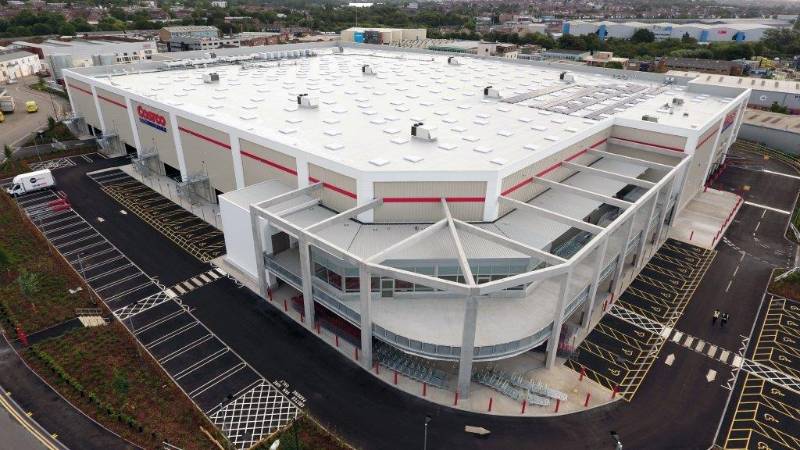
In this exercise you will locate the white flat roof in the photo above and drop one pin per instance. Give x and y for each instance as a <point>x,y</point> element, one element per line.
<point>365,121</point>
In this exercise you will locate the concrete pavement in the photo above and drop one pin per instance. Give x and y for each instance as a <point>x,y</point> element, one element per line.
<point>19,125</point>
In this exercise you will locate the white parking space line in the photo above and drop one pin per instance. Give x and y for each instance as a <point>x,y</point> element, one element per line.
<point>198,364</point>
<point>108,272</point>
<point>781,174</point>
<point>118,296</point>
<point>119,281</point>
<point>171,334</point>
<point>186,348</point>
<point>140,328</point>
<point>768,208</point>
<point>217,380</point>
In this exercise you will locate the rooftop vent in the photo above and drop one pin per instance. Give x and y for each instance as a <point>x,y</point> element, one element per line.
<point>491,92</point>
<point>453,61</point>
<point>647,118</point>
<point>304,101</point>
<point>567,77</point>
<point>420,131</point>
<point>212,77</point>
<point>366,69</point>
<point>677,101</point>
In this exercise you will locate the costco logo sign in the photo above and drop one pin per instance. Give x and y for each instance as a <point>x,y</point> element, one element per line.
<point>152,119</point>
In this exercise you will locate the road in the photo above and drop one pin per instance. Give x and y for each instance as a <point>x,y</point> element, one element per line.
<point>19,125</point>
<point>14,428</point>
<point>674,408</point>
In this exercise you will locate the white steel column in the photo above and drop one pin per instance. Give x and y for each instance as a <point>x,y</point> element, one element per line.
<point>255,221</point>
<point>667,191</point>
<point>134,128</point>
<point>302,172</point>
<point>176,140</point>
<point>558,320</point>
<point>365,290</point>
<point>236,154</point>
<point>646,232</point>
<point>491,205</point>
<point>618,271</point>
<point>71,100</point>
<point>598,270</point>
<point>365,194</point>
<point>467,346</point>
<point>97,107</point>
<point>305,277</point>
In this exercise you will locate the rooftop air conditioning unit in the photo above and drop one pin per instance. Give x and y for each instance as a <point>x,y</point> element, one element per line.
<point>647,118</point>
<point>307,102</point>
<point>453,61</point>
<point>212,77</point>
<point>425,133</point>
<point>366,69</point>
<point>677,101</point>
<point>491,92</point>
<point>567,77</point>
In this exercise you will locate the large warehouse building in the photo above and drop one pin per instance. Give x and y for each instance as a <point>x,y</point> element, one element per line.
<point>457,210</point>
<point>702,32</point>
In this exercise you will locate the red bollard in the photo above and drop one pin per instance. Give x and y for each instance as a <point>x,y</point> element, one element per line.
<point>269,294</point>
<point>337,340</point>
<point>558,403</point>
<point>490,403</point>
<point>318,329</point>
<point>614,392</point>
<point>524,405</point>
<point>22,336</point>
<point>285,306</point>
<point>302,318</point>
<point>588,395</point>
<point>395,377</point>
<point>356,353</point>
<point>455,401</point>
<point>691,235</point>
<point>424,389</point>
<point>583,373</point>
<point>377,369</point>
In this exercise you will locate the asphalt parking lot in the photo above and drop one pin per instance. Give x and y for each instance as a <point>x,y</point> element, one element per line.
<point>763,413</point>
<point>188,231</point>
<point>620,350</point>
<point>229,391</point>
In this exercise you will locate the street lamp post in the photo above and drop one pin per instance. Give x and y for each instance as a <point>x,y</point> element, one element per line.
<point>425,441</point>
<point>615,436</point>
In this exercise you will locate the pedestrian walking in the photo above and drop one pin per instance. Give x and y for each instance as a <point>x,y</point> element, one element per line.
<point>714,317</point>
<point>724,319</point>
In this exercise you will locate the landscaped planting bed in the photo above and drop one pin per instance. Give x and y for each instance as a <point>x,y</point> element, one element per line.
<point>101,371</point>
<point>788,287</point>
<point>305,434</point>
<point>27,252</point>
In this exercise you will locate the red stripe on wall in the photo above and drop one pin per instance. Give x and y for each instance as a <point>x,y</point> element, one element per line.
<point>333,188</point>
<point>81,89</point>
<point>707,138</point>
<point>555,166</point>
<point>205,138</point>
<point>112,101</point>
<point>269,163</point>
<point>433,199</point>
<point>666,147</point>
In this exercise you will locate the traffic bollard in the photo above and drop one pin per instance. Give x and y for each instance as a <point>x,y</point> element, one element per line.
<point>588,395</point>
<point>424,389</point>
<point>614,392</point>
<point>490,403</point>
<point>558,404</point>
<point>524,405</point>
<point>337,340</point>
<point>455,400</point>
<point>395,377</point>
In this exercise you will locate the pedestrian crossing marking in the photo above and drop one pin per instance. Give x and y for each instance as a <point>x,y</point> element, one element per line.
<point>666,332</point>
<point>188,286</point>
<point>213,274</point>
<point>221,272</point>
<point>170,293</point>
<point>712,350</point>
<point>737,361</point>
<point>688,342</point>
<point>724,356</point>
<point>196,282</point>
<point>677,337</point>
<point>204,278</point>
<point>178,288</point>
<point>700,346</point>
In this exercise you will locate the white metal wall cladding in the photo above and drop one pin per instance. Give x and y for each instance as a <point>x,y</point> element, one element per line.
<point>115,115</point>
<point>339,191</point>
<point>698,167</point>
<point>82,98</point>
<point>520,185</point>
<point>420,201</point>
<point>260,163</point>
<point>207,150</point>
<point>661,140</point>
<point>155,133</point>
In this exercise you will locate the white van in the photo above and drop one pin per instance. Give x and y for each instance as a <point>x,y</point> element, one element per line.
<point>30,182</point>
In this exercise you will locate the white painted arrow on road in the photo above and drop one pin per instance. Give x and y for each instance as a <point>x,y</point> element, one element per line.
<point>711,375</point>
<point>670,359</point>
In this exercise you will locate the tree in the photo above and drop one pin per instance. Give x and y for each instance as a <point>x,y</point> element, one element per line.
<point>29,285</point>
<point>643,35</point>
<point>613,65</point>
<point>67,29</point>
<point>776,108</point>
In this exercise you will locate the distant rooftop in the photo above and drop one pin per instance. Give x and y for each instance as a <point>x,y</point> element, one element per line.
<point>773,120</point>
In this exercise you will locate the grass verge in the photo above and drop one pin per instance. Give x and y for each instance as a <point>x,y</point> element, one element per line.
<point>101,371</point>
<point>788,287</point>
<point>305,434</point>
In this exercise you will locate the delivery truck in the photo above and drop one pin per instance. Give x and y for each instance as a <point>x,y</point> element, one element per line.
<point>7,104</point>
<point>31,182</point>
